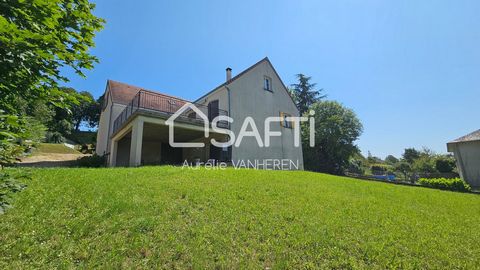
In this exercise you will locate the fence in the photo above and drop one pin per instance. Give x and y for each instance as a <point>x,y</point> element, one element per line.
<point>155,102</point>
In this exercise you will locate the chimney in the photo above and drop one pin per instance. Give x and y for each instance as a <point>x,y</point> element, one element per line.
<point>229,74</point>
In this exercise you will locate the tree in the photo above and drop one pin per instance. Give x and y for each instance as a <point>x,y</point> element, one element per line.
<point>81,112</point>
<point>373,159</point>
<point>424,164</point>
<point>404,167</point>
<point>304,93</point>
<point>356,166</point>
<point>390,159</point>
<point>16,136</point>
<point>80,108</point>
<point>37,40</point>
<point>410,155</point>
<point>445,164</point>
<point>93,112</point>
<point>336,130</point>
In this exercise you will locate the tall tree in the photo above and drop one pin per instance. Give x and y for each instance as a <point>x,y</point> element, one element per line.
<point>390,159</point>
<point>410,155</point>
<point>93,112</point>
<point>81,111</point>
<point>404,167</point>
<point>336,130</point>
<point>37,39</point>
<point>445,163</point>
<point>304,93</point>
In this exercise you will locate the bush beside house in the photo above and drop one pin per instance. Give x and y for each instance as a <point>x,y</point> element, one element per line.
<point>454,184</point>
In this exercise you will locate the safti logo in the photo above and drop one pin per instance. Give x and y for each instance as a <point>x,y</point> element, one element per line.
<point>248,129</point>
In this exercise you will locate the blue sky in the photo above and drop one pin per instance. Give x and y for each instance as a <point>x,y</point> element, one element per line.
<point>409,69</point>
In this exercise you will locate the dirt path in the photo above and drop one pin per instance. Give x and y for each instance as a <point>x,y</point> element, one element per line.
<point>50,160</point>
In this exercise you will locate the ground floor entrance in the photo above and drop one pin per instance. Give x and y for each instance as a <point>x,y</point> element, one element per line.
<point>147,143</point>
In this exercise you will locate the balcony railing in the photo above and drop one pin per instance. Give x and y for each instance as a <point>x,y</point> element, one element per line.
<point>157,103</point>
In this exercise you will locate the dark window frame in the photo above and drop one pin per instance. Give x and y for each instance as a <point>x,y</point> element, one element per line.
<point>267,84</point>
<point>285,123</point>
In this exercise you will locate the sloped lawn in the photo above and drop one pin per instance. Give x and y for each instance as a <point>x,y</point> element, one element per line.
<point>54,148</point>
<point>166,217</point>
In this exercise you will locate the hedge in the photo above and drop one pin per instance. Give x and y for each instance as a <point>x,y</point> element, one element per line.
<point>454,184</point>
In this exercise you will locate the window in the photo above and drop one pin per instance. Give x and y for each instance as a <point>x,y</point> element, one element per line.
<point>285,123</point>
<point>213,110</point>
<point>267,83</point>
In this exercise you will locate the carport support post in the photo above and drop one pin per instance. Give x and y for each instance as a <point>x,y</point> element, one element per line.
<point>136,143</point>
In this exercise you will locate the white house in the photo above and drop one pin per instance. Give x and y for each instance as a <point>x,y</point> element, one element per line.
<point>466,150</point>
<point>133,130</point>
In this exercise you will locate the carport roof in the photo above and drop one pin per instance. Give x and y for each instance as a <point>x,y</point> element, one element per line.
<point>474,136</point>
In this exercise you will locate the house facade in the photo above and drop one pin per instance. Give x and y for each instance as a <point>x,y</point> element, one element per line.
<point>466,150</point>
<point>133,128</point>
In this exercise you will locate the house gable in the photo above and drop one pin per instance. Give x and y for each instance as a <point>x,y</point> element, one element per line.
<point>280,85</point>
<point>253,97</point>
<point>249,98</point>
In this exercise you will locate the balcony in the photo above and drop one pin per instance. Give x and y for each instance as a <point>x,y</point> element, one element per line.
<point>158,105</point>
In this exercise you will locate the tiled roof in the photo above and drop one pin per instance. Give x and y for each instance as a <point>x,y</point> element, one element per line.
<point>123,93</point>
<point>474,136</point>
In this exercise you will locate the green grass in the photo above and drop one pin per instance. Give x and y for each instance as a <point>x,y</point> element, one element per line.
<point>53,148</point>
<point>166,217</point>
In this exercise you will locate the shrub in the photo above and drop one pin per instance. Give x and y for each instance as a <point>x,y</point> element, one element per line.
<point>454,184</point>
<point>10,184</point>
<point>84,148</point>
<point>54,137</point>
<point>356,166</point>
<point>378,168</point>
<point>381,169</point>
<point>94,161</point>
<point>445,164</point>
<point>17,135</point>
<point>425,164</point>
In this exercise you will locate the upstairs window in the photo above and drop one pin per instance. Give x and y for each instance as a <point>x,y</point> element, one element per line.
<point>285,123</point>
<point>267,83</point>
<point>213,110</point>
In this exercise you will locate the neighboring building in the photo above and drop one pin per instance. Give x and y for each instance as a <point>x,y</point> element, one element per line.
<point>132,129</point>
<point>467,153</point>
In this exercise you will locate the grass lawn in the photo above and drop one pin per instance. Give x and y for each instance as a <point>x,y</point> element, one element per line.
<point>53,148</point>
<point>166,217</point>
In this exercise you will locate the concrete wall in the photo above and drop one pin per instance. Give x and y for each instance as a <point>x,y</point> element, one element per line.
<point>102,133</point>
<point>467,155</point>
<point>221,95</point>
<point>105,125</point>
<point>248,98</point>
